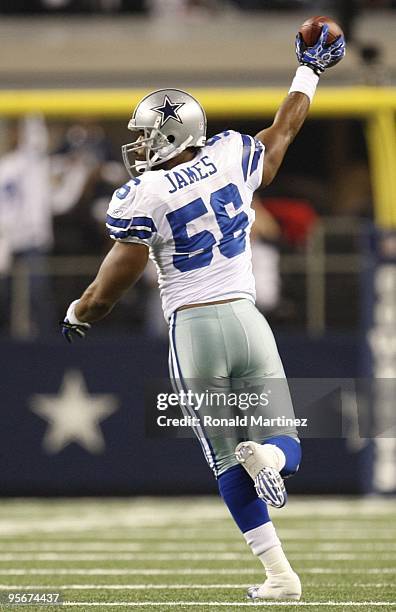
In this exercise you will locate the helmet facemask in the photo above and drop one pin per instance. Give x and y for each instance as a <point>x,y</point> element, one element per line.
<point>157,148</point>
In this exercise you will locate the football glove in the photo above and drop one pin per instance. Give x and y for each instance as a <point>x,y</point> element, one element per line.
<point>71,327</point>
<point>321,55</point>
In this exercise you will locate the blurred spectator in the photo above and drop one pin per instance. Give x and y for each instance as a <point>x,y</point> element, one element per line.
<point>296,219</point>
<point>353,195</point>
<point>63,197</point>
<point>84,176</point>
<point>265,237</point>
<point>5,263</point>
<point>26,216</point>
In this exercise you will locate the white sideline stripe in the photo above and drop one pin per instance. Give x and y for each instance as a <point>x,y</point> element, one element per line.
<point>127,572</point>
<point>229,604</point>
<point>185,556</point>
<point>125,587</point>
<point>132,512</point>
<point>55,557</point>
<point>179,572</point>
<point>168,520</point>
<point>91,528</point>
<point>209,546</point>
<point>137,587</point>
<point>371,570</point>
<point>80,533</point>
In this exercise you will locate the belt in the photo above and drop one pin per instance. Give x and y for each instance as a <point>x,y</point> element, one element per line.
<point>208,304</point>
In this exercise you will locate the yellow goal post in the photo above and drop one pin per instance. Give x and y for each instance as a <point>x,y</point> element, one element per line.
<point>375,105</point>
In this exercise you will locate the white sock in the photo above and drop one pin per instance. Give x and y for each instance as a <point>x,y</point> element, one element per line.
<point>262,538</point>
<point>275,562</point>
<point>266,545</point>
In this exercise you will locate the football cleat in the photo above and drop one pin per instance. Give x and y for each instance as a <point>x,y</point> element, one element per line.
<point>263,462</point>
<point>281,587</point>
<point>270,487</point>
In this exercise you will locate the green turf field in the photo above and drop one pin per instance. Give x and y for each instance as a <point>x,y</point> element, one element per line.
<point>186,554</point>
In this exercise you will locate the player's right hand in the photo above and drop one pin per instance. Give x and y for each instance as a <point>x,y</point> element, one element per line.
<point>321,55</point>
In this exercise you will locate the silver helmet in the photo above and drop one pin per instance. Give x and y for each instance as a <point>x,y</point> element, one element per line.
<point>166,122</point>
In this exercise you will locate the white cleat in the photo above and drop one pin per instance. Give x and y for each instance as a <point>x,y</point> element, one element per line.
<point>270,487</point>
<point>281,587</point>
<point>263,463</point>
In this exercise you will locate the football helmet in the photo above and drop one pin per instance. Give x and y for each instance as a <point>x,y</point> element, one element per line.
<point>165,122</point>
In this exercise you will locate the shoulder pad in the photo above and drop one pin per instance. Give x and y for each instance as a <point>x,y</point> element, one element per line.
<point>226,135</point>
<point>128,217</point>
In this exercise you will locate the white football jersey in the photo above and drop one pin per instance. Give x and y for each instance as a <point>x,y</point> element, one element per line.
<point>196,219</point>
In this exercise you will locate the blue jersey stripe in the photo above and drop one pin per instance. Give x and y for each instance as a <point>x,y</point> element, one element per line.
<point>147,221</point>
<point>247,149</point>
<point>139,233</point>
<point>118,222</point>
<point>135,221</point>
<point>256,157</point>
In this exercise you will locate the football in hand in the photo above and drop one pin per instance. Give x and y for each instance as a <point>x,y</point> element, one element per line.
<point>312,27</point>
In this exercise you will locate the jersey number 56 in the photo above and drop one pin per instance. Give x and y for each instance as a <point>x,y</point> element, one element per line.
<point>196,251</point>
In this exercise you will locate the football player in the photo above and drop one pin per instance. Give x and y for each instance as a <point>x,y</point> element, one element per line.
<point>187,206</point>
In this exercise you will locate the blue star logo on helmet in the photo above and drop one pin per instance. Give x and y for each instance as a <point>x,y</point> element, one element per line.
<point>169,110</point>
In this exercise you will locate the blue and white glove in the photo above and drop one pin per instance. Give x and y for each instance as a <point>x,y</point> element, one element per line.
<point>71,327</point>
<point>321,55</point>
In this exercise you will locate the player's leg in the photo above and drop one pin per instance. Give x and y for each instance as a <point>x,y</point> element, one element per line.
<point>272,452</point>
<point>197,363</point>
<point>210,342</point>
<point>276,455</point>
<point>251,515</point>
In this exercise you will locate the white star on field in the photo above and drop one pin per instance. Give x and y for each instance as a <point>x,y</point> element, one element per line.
<point>73,415</point>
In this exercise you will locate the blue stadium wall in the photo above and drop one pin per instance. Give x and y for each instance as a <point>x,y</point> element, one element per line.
<point>124,460</point>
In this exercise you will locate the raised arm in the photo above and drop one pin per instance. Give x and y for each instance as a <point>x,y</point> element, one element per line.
<point>120,269</point>
<point>277,138</point>
<point>294,109</point>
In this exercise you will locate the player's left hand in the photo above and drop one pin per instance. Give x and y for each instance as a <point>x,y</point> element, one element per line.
<point>71,327</point>
<point>73,330</point>
<point>321,55</point>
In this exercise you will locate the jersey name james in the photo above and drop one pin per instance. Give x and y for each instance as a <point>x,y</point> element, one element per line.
<point>196,219</point>
<point>191,174</point>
